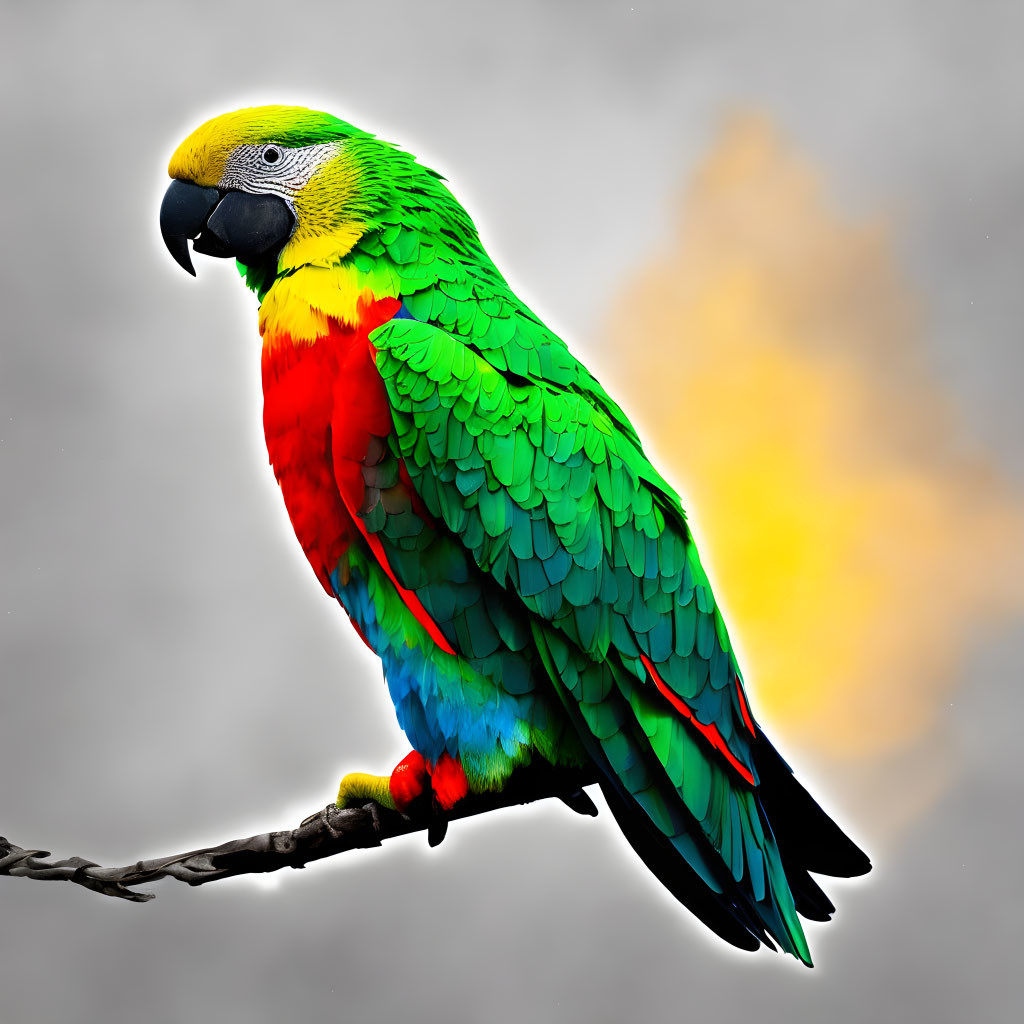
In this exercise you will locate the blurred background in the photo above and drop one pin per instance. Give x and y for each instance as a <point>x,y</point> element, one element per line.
<point>788,237</point>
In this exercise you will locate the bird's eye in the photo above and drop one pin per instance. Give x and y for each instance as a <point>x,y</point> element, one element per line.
<point>271,155</point>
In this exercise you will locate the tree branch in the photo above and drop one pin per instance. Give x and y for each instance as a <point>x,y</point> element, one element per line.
<point>323,834</point>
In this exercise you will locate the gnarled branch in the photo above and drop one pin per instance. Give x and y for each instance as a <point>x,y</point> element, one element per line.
<point>323,834</point>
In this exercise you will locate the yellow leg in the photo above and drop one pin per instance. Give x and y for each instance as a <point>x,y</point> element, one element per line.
<point>358,787</point>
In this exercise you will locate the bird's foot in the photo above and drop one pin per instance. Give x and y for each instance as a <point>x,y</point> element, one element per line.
<point>448,786</point>
<point>358,787</point>
<point>412,778</point>
<point>409,780</point>
<point>448,781</point>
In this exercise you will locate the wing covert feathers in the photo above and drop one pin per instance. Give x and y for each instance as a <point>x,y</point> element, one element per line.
<point>547,488</point>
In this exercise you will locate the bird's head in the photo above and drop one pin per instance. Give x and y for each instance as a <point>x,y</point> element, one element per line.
<point>280,187</point>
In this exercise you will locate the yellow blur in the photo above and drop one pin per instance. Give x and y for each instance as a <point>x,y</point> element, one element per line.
<point>858,544</point>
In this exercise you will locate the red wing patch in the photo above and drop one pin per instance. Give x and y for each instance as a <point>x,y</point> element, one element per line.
<point>744,709</point>
<point>409,598</point>
<point>361,417</point>
<point>709,732</point>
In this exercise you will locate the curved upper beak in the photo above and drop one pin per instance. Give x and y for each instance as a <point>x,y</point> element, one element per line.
<point>183,214</point>
<point>243,225</point>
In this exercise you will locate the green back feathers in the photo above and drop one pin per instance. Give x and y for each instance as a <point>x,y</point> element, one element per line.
<point>514,446</point>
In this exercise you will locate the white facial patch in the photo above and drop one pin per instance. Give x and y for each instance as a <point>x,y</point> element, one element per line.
<point>273,168</point>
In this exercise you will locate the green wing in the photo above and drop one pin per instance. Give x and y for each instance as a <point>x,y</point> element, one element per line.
<point>543,481</point>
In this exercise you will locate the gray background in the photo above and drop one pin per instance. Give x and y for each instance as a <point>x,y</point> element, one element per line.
<point>171,673</point>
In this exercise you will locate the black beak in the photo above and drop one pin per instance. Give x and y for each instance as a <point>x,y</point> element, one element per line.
<point>249,227</point>
<point>183,215</point>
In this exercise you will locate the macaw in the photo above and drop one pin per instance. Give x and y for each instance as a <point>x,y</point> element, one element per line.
<point>485,514</point>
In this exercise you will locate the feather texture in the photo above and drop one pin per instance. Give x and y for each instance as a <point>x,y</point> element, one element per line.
<point>486,515</point>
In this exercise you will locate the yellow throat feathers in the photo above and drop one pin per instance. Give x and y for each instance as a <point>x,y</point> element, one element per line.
<point>301,304</point>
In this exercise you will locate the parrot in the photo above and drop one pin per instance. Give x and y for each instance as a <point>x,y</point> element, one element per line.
<point>485,514</point>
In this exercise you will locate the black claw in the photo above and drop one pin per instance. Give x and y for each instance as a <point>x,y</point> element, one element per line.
<point>580,803</point>
<point>374,808</point>
<point>436,830</point>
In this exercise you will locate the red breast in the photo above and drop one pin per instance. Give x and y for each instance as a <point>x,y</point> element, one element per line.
<point>322,403</point>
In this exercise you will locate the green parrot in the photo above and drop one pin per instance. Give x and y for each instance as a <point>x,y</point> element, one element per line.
<point>486,516</point>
